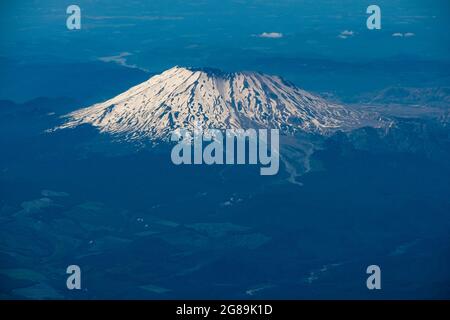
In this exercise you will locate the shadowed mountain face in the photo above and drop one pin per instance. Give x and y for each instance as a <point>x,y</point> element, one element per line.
<point>207,98</point>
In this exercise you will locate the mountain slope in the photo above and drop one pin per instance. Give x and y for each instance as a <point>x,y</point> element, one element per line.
<point>207,98</point>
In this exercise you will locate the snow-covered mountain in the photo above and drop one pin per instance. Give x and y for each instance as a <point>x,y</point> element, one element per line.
<point>207,98</point>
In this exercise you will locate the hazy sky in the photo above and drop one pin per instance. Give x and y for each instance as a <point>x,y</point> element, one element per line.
<point>155,35</point>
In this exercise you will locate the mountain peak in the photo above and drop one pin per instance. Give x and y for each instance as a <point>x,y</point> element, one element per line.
<point>183,97</point>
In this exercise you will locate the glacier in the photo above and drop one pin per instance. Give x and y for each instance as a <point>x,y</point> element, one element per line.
<point>205,98</point>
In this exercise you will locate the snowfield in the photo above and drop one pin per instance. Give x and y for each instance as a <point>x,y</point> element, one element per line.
<point>207,98</point>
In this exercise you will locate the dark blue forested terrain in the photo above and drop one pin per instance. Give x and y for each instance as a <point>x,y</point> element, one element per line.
<point>141,227</point>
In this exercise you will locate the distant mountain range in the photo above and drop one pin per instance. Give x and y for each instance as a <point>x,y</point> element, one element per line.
<point>439,97</point>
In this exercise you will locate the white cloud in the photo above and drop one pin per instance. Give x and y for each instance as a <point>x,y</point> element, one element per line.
<point>346,33</point>
<point>272,35</point>
<point>121,59</point>
<point>399,34</point>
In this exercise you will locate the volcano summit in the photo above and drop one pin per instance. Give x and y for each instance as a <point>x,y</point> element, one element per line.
<point>189,98</point>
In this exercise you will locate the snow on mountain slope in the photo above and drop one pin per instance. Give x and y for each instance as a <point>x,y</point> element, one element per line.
<point>207,98</point>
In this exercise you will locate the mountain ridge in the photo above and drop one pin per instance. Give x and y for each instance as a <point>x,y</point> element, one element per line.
<point>208,98</point>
